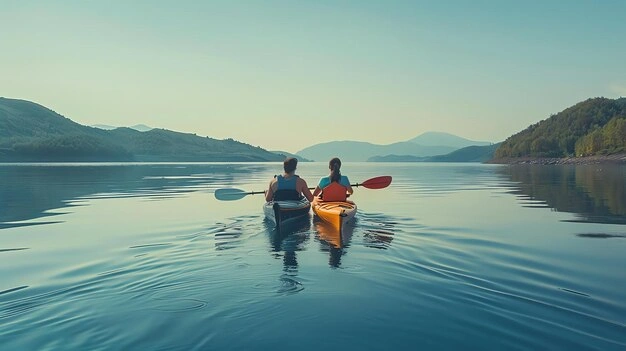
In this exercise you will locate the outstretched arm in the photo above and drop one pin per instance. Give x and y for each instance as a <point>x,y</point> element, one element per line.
<point>304,188</point>
<point>269,193</point>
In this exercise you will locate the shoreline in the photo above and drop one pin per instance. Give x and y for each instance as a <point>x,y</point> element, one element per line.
<point>585,160</point>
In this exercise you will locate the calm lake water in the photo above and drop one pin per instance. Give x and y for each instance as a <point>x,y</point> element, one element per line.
<point>450,256</point>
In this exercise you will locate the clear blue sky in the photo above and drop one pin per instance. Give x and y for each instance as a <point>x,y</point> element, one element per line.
<point>288,74</point>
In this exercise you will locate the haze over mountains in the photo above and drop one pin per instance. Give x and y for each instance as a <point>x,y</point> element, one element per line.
<point>424,145</point>
<point>32,133</point>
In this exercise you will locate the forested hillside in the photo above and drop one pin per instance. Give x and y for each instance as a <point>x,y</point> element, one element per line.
<point>592,127</point>
<point>472,153</point>
<point>31,132</point>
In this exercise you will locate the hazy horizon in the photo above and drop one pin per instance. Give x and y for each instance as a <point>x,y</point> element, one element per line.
<point>285,75</point>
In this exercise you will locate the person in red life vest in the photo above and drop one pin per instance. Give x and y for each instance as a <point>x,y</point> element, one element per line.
<point>335,187</point>
<point>288,186</point>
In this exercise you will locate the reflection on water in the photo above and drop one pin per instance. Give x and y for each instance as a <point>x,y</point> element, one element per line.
<point>287,241</point>
<point>331,236</point>
<point>449,257</point>
<point>334,241</point>
<point>595,193</point>
<point>31,191</point>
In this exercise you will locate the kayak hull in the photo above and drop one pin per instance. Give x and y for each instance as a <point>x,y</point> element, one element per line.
<point>285,211</point>
<point>334,213</point>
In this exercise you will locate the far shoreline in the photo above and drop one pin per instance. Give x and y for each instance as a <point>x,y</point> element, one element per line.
<point>584,160</point>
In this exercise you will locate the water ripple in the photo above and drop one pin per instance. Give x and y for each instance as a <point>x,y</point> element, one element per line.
<point>600,235</point>
<point>13,290</point>
<point>174,305</point>
<point>289,285</point>
<point>14,249</point>
<point>452,260</point>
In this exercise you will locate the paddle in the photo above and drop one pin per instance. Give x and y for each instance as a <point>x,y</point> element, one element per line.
<point>230,194</point>
<point>376,182</point>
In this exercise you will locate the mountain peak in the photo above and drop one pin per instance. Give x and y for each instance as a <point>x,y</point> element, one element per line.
<point>137,127</point>
<point>442,138</point>
<point>141,127</point>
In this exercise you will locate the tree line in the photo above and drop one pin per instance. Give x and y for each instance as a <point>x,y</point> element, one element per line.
<point>594,126</point>
<point>70,147</point>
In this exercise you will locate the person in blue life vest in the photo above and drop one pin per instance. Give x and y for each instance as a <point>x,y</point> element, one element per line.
<point>335,187</point>
<point>288,186</point>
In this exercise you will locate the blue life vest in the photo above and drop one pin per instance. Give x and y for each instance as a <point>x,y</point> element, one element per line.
<point>286,189</point>
<point>286,184</point>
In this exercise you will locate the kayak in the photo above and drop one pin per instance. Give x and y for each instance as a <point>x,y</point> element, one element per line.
<point>335,213</point>
<point>283,211</point>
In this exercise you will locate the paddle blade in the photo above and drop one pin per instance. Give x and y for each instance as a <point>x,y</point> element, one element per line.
<point>377,182</point>
<point>229,194</point>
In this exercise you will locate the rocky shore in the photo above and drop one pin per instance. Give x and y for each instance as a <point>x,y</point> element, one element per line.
<point>587,160</point>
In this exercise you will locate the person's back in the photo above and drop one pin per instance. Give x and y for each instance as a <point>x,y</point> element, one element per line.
<point>335,187</point>
<point>288,186</point>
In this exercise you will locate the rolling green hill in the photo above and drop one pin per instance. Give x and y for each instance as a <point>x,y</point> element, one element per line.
<point>592,127</point>
<point>472,153</point>
<point>31,132</point>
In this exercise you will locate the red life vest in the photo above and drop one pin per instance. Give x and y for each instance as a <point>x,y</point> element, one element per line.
<point>334,192</point>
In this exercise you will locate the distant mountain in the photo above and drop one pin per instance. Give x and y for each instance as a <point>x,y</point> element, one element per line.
<point>466,154</point>
<point>287,154</point>
<point>424,145</point>
<point>445,139</point>
<point>591,127</point>
<point>398,158</point>
<point>141,127</point>
<point>137,127</point>
<point>103,126</point>
<point>31,132</point>
<point>361,151</point>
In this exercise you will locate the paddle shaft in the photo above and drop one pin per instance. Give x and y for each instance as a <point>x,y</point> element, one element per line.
<point>229,194</point>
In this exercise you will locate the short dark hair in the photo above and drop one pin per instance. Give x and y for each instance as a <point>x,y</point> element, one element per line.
<point>290,164</point>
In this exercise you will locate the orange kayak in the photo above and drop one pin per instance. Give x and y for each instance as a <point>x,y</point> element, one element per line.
<point>335,213</point>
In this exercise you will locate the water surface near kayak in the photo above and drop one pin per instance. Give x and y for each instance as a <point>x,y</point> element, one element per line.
<point>450,256</point>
